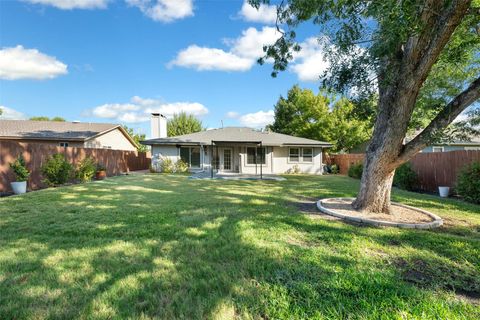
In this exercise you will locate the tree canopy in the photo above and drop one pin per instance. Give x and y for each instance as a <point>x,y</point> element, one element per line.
<point>44,118</point>
<point>321,117</point>
<point>183,123</point>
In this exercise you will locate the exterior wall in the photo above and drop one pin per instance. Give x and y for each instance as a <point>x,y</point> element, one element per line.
<point>114,139</point>
<point>452,148</point>
<point>277,161</point>
<point>282,164</point>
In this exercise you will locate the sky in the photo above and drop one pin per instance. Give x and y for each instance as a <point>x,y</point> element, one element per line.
<point>117,61</point>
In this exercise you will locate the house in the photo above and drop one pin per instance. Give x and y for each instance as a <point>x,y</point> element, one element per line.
<point>236,150</point>
<point>67,134</point>
<point>473,144</point>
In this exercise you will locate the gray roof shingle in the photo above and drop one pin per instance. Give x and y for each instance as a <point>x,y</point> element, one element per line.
<point>236,135</point>
<point>52,130</point>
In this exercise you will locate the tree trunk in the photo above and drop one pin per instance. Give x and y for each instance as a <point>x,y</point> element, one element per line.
<point>376,185</point>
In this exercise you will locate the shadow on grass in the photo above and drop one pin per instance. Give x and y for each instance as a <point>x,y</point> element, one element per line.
<point>169,247</point>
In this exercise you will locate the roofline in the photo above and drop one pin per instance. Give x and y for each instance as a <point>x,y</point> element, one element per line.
<point>196,143</point>
<point>41,138</point>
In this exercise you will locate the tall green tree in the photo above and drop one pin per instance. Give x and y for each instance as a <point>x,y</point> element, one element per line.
<point>137,137</point>
<point>401,50</point>
<point>44,118</point>
<point>183,123</point>
<point>304,114</point>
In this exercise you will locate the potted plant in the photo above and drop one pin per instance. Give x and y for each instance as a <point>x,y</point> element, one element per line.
<point>21,175</point>
<point>101,172</point>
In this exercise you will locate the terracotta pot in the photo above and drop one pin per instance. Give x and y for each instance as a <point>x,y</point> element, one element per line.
<point>101,174</point>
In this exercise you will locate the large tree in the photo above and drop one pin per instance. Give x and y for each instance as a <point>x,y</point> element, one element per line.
<point>44,118</point>
<point>402,50</point>
<point>183,123</point>
<point>323,117</point>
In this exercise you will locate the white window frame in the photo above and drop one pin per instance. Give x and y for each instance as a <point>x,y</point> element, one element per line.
<point>256,156</point>
<point>311,155</point>
<point>439,149</point>
<point>190,156</point>
<point>63,144</point>
<point>290,155</point>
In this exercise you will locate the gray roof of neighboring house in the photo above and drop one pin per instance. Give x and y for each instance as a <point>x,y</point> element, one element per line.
<point>235,135</point>
<point>54,130</point>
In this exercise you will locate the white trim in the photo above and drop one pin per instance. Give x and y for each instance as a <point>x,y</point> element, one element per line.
<point>442,149</point>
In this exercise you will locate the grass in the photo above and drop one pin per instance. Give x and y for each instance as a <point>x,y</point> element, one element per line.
<point>167,247</point>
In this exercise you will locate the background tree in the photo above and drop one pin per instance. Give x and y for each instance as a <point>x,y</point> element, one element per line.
<point>182,123</point>
<point>400,50</point>
<point>137,137</point>
<point>44,118</point>
<point>304,114</point>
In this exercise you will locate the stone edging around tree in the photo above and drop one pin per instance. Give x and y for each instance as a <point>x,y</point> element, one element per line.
<point>437,221</point>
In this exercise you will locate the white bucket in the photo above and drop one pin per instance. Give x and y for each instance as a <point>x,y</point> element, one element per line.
<point>19,187</point>
<point>444,191</point>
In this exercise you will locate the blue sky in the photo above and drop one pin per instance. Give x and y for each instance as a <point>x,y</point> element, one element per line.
<point>116,61</point>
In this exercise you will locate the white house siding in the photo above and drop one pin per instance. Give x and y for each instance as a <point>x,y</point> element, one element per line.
<point>114,139</point>
<point>277,161</point>
<point>282,164</point>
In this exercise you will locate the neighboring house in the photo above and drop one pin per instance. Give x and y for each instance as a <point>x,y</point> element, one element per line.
<point>473,144</point>
<point>67,134</point>
<point>237,150</point>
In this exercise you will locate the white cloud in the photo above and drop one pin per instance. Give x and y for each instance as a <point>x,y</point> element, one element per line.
<point>73,4</point>
<point>243,53</point>
<point>139,109</point>
<point>257,119</point>
<point>20,63</point>
<point>265,14</point>
<point>232,114</point>
<point>164,10</point>
<point>11,114</point>
<point>250,44</point>
<point>203,58</point>
<point>310,63</point>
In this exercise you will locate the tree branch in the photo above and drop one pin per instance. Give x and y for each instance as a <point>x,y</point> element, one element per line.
<point>441,121</point>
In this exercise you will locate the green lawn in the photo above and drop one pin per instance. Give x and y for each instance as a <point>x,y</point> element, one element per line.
<point>166,247</point>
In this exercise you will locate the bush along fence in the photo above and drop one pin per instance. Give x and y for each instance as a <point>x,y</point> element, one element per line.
<point>433,169</point>
<point>35,155</point>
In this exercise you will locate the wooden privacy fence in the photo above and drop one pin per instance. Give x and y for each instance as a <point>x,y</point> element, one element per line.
<point>433,168</point>
<point>36,154</point>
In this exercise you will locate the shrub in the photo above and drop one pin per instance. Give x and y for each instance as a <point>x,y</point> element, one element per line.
<point>86,170</point>
<point>468,182</point>
<point>405,177</point>
<point>294,170</point>
<point>56,170</point>
<point>334,169</point>
<point>355,171</point>
<point>181,166</point>
<point>19,169</point>
<point>167,166</point>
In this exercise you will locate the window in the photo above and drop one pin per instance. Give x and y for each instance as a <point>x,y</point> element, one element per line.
<point>307,154</point>
<point>437,149</point>
<point>294,154</point>
<point>64,144</point>
<point>257,154</point>
<point>191,156</point>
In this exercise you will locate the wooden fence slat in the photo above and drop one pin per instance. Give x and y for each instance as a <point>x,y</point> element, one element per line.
<point>36,154</point>
<point>434,169</point>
